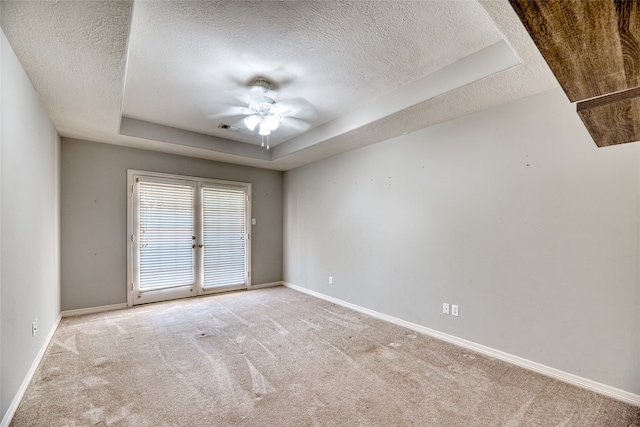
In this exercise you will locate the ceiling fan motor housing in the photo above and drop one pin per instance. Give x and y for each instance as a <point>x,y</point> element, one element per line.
<point>262,91</point>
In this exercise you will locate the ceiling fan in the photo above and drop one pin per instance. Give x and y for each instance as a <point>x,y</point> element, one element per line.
<point>261,111</point>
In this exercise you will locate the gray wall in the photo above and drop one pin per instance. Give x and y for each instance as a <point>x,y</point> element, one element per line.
<point>29,226</point>
<point>94,222</point>
<point>511,213</point>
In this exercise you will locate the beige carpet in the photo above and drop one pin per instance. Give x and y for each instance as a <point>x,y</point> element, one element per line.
<point>276,357</point>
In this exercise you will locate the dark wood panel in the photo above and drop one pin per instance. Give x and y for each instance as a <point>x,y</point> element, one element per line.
<point>611,98</point>
<point>612,123</point>
<point>628,13</point>
<point>580,40</point>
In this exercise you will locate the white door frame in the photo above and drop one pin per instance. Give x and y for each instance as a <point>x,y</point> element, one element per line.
<point>132,174</point>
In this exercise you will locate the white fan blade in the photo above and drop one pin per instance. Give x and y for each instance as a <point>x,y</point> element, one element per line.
<point>293,125</point>
<point>297,108</point>
<point>215,112</point>
<point>237,96</point>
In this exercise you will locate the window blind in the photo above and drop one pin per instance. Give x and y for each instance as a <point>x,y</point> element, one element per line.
<point>166,235</point>
<point>224,236</point>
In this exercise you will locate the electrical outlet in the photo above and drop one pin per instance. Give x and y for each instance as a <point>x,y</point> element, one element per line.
<point>445,308</point>
<point>454,310</point>
<point>34,327</point>
<point>331,280</point>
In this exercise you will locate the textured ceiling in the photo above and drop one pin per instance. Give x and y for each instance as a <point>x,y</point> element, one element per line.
<point>187,59</point>
<point>371,70</point>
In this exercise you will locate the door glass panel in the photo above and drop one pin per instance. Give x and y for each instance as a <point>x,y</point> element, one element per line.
<point>224,237</point>
<point>166,235</point>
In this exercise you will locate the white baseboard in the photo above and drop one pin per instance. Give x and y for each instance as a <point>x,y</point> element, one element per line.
<point>266,285</point>
<point>8,416</point>
<point>615,393</point>
<point>102,308</point>
<point>91,310</point>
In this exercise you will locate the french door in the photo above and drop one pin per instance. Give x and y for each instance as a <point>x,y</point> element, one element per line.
<point>188,236</point>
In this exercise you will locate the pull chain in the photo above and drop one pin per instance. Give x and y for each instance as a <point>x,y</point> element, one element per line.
<point>262,136</point>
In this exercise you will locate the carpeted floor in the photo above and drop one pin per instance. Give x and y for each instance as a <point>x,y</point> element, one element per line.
<point>277,357</point>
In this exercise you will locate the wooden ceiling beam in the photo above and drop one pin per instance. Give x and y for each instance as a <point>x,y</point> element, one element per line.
<point>593,49</point>
<point>612,119</point>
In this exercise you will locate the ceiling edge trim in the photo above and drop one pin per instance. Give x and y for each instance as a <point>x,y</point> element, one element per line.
<point>126,63</point>
<point>153,131</point>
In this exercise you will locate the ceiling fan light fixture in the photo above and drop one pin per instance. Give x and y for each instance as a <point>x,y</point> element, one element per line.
<point>262,109</point>
<point>272,122</point>
<point>264,128</point>
<point>251,122</point>
<point>264,113</point>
